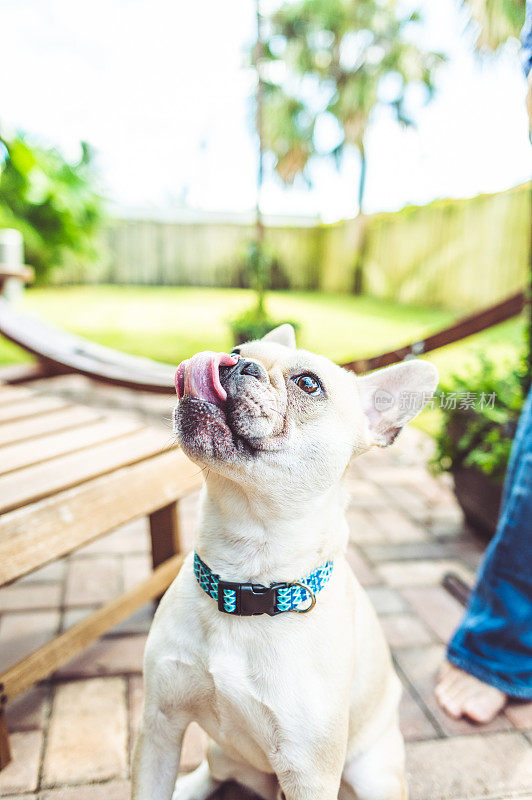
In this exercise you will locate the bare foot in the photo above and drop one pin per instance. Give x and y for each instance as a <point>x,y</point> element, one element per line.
<point>462,695</point>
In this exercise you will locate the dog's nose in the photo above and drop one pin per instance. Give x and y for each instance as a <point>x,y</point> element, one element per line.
<point>243,367</point>
<point>251,368</point>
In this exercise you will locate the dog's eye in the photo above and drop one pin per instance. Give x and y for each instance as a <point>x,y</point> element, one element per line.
<point>235,351</point>
<point>308,384</point>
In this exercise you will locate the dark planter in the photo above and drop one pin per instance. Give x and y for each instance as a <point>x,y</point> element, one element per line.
<point>479,497</point>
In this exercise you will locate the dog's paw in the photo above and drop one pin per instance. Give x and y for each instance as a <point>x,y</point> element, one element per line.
<point>197,785</point>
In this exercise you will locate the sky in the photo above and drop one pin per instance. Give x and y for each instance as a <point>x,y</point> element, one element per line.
<point>160,90</point>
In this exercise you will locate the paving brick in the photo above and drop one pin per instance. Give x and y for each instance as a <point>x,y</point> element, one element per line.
<point>405,551</point>
<point>470,549</point>
<point>414,722</point>
<point>476,767</point>
<point>22,773</point>
<point>194,747</point>
<point>138,623</point>
<point>421,667</point>
<point>364,494</point>
<point>110,656</point>
<point>436,491</point>
<point>18,796</point>
<point>188,515</point>
<point>373,462</point>
<point>360,567</point>
<point>520,714</point>
<point>50,573</point>
<point>409,501</point>
<point>385,600</point>
<point>135,569</point>
<point>362,529</point>
<point>404,475</point>
<point>71,616</point>
<point>436,607</point>
<point>23,632</point>
<point>396,526</point>
<point>405,630</point>
<point>92,580</point>
<point>111,790</point>
<point>28,711</point>
<point>422,573</point>
<point>131,538</point>
<point>446,521</point>
<point>23,596</point>
<point>135,701</point>
<point>87,740</point>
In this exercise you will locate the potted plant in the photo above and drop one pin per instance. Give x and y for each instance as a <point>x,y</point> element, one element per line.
<point>480,416</point>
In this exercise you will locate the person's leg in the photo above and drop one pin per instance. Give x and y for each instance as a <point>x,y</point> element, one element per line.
<point>490,655</point>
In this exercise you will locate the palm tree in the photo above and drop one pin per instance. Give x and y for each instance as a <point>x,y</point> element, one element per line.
<point>497,20</point>
<point>333,57</point>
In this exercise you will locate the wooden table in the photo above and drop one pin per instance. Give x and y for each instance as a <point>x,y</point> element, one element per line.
<point>69,474</point>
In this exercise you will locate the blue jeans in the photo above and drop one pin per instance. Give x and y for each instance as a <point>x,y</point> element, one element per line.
<point>494,640</point>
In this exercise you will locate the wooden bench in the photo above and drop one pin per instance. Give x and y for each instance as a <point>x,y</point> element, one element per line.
<point>69,474</point>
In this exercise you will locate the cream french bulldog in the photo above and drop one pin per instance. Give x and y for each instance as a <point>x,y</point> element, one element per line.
<point>300,701</point>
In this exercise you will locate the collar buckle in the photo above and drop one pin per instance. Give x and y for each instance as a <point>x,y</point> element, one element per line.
<point>248,599</point>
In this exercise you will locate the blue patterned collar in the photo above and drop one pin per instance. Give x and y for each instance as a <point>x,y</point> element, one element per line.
<point>248,599</point>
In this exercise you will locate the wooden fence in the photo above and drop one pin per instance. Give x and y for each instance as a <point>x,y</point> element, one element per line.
<point>459,254</point>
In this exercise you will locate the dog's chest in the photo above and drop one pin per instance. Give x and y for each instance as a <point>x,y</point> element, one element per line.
<point>239,707</point>
<point>254,697</point>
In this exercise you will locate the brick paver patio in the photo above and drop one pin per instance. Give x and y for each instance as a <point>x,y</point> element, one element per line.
<point>72,735</point>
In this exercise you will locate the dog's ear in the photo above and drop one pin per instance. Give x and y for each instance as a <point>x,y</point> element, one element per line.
<point>393,396</point>
<point>283,334</point>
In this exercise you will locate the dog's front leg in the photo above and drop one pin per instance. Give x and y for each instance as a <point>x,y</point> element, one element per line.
<point>310,786</point>
<point>156,756</point>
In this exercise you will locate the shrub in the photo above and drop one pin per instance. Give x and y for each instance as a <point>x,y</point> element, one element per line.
<point>51,201</point>
<point>480,435</point>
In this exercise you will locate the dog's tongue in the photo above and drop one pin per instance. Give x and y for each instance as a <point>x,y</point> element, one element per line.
<point>199,376</point>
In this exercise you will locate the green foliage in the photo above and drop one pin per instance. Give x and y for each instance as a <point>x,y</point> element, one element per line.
<point>480,435</point>
<point>253,323</point>
<point>334,57</point>
<point>498,20</point>
<point>52,202</point>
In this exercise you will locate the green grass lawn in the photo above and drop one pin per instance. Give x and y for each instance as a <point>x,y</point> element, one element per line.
<point>171,323</point>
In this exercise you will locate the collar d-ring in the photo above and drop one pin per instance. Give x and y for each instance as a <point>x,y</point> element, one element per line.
<point>312,599</point>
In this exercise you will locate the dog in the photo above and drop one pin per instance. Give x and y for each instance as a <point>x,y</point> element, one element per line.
<point>266,638</point>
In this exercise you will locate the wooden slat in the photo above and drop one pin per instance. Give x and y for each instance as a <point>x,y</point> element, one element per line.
<point>52,655</point>
<point>24,272</point>
<point>31,484</point>
<point>29,407</point>
<point>9,394</point>
<point>467,326</point>
<point>63,352</point>
<point>22,373</point>
<point>39,533</point>
<point>56,420</point>
<point>26,454</point>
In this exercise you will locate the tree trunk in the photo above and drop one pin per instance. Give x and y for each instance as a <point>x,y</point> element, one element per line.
<point>261,277</point>
<point>358,279</point>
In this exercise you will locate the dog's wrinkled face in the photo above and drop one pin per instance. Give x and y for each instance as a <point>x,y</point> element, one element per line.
<point>268,405</point>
